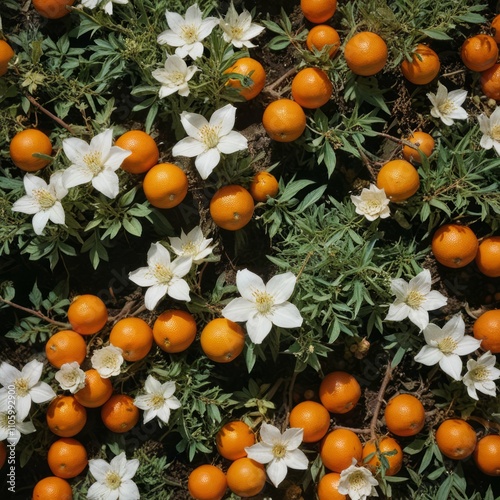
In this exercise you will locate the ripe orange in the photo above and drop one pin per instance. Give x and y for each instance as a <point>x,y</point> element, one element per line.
<point>454,246</point>
<point>6,54</point>
<point>66,417</point>
<point>423,67</point>
<point>52,9</point>
<point>490,82</point>
<point>87,314</point>
<point>263,185</point>
<point>52,488</point>
<point>26,143</point>
<point>338,448</point>
<point>379,447</point>
<point>3,453</point>
<point>311,88</point>
<point>255,73</point>
<point>456,439</point>
<point>313,418</point>
<point>318,11</point>
<point>366,53</point>
<point>231,207</point>
<point>404,415</point>
<point>486,328</point>
<point>119,414</point>
<point>495,24</point>
<point>246,477</point>
<point>133,336</point>
<point>399,179</point>
<point>65,346</point>
<point>479,52</point>
<point>207,482</point>
<point>222,340</point>
<point>284,120</point>
<point>67,458</point>
<point>321,36</point>
<point>232,439</point>
<point>424,142</point>
<point>145,152</point>
<point>488,256</point>
<point>174,330</point>
<point>339,392</point>
<point>328,487</point>
<point>165,185</point>
<point>97,390</point>
<point>487,455</point>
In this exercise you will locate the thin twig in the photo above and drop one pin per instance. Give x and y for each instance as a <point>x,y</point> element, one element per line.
<point>380,399</point>
<point>48,113</point>
<point>353,429</point>
<point>35,313</point>
<point>283,77</point>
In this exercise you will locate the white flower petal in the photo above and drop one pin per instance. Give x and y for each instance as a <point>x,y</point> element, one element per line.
<point>281,286</point>
<point>451,365</point>
<point>153,295</point>
<point>206,162</point>
<point>248,283</point>
<point>188,147</point>
<point>258,328</point>
<point>286,316</point>
<point>232,142</point>
<point>429,356</point>
<point>238,309</point>
<point>277,471</point>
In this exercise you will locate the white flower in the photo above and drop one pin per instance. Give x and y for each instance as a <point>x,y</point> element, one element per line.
<point>158,401</point>
<point>187,33</point>
<point>447,106</point>
<point>262,305</point>
<point>481,374</point>
<point>95,162</point>
<point>192,245</point>
<point>279,451</point>
<point>114,480</point>
<point>70,377</point>
<point>107,5</point>
<point>239,29</point>
<point>372,203</point>
<point>490,127</point>
<point>207,140</point>
<point>42,200</point>
<point>446,345</point>
<point>162,276</point>
<point>107,361</point>
<point>90,4</point>
<point>414,299</point>
<point>174,77</point>
<point>357,482</point>
<point>11,427</point>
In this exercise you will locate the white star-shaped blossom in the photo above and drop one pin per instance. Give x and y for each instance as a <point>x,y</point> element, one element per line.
<point>107,361</point>
<point>372,203</point>
<point>192,245</point>
<point>70,377</point>
<point>174,77</point>
<point>106,5</point>
<point>490,127</point>
<point>481,374</point>
<point>447,106</point>
<point>238,29</point>
<point>11,427</point>
<point>357,482</point>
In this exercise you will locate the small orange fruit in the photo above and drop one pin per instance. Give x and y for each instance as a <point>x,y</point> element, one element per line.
<point>6,54</point>
<point>263,185</point>
<point>486,328</point>
<point>423,67</point>
<point>339,392</point>
<point>65,346</point>
<point>366,53</point>
<point>66,417</point>
<point>133,336</point>
<point>488,256</point>
<point>479,52</point>
<point>174,330</point>
<point>87,314</point>
<point>338,448</point>
<point>145,152</point>
<point>388,448</point>
<point>487,455</point>
<point>97,390</point>
<point>318,11</point>
<point>454,245</point>
<point>165,185</point>
<point>423,141</point>
<point>404,415</point>
<point>27,143</point>
<point>495,24</point>
<point>328,487</point>
<point>255,77</point>
<point>232,439</point>
<point>456,439</point>
<point>119,414</point>
<point>231,207</point>
<point>284,120</point>
<point>207,482</point>
<point>52,9</point>
<point>222,340</point>
<point>490,82</point>
<point>67,458</point>
<point>399,179</point>
<point>52,488</point>
<point>313,418</point>
<point>322,36</point>
<point>311,88</point>
<point>3,453</point>
<point>246,477</point>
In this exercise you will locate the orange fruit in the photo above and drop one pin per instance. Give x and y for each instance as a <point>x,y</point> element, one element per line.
<point>65,346</point>
<point>231,207</point>
<point>454,245</point>
<point>365,53</point>
<point>66,417</point>
<point>67,457</point>
<point>313,418</point>
<point>423,67</point>
<point>255,77</point>
<point>133,336</point>
<point>321,36</point>
<point>284,120</point>
<point>96,392</point>
<point>338,448</point>
<point>328,487</point>
<point>165,185</point>
<point>490,82</point>
<point>487,455</point>
<point>222,340</point>
<point>246,477</point>
<point>26,143</point>
<point>145,152</point>
<point>486,328</point>
<point>207,482</point>
<point>311,88</point>
<point>339,392</point>
<point>488,256</point>
<point>375,448</point>
<point>174,330</point>
<point>6,54</point>
<point>404,415</point>
<point>424,142</point>
<point>495,24</point>
<point>52,9</point>
<point>87,314</point>
<point>456,439</point>
<point>399,179</point>
<point>119,414</point>
<point>52,488</point>
<point>479,52</point>
<point>3,453</point>
<point>263,185</point>
<point>232,439</point>
<point>318,11</point>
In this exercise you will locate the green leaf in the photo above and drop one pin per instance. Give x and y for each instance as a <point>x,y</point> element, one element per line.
<point>437,35</point>
<point>132,226</point>
<point>35,296</point>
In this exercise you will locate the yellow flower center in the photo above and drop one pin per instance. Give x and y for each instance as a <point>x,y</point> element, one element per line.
<point>113,480</point>
<point>447,345</point>
<point>495,132</point>
<point>177,78</point>
<point>357,480</point>
<point>371,206</point>
<point>264,302</point>
<point>45,199</point>
<point>479,373</point>
<point>93,160</point>
<point>447,107</point>
<point>279,450</point>
<point>163,274</point>
<point>414,299</point>
<point>237,32</point>
<point>109,360</point>
<point>190,33</point>
<point>157,401</point>
<point>22,387</point>
<point>210,135</point>
<point>190,248</point>
<point>4,420</point>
